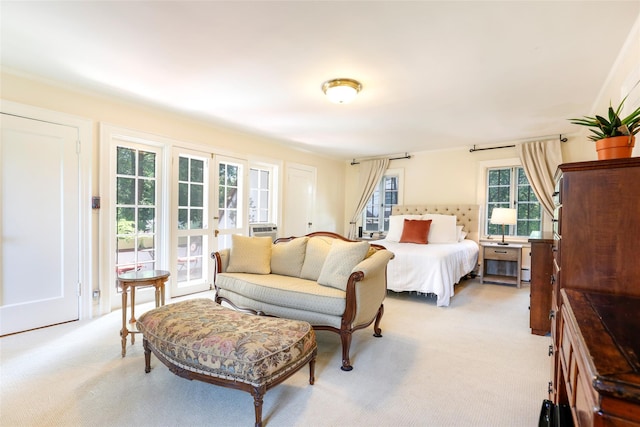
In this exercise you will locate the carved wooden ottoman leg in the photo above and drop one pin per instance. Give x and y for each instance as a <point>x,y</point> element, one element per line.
<point>258,394</point>
<point>312,369</point>
<point>147,355</point>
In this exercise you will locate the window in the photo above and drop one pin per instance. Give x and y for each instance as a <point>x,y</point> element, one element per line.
<point>376,213</point>
<point>260,194</point>
<point>136,209</point>
<point>509,187</point>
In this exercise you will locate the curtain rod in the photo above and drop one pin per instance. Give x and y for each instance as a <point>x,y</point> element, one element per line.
<point>406,156</point>
<point>471,150</point>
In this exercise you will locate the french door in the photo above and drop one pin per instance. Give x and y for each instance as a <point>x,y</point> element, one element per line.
<point>192,240</point>
<point>137,214</point>
<point>230,216</point>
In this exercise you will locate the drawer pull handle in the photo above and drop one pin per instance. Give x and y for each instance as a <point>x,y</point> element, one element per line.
<point>553,280</point>
<point>550,388</point>
<point>500,252</point>
<point>552,314</point>
<point>551,350</point>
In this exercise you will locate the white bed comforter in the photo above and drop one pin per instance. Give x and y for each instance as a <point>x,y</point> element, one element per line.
<point>432,268</point>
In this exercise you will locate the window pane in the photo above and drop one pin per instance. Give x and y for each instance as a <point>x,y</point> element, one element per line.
<point>147,164</point>
<point>146,219</point>
<point>196,218</point>
<point>264,179</point>
<point>197,171</point>
<point>125,191</point>
<point>183,194</point>
<point>253,178</point>
<point>126,161</point>
<point>183,217</point>
<point>197,195</point>
<point>232,175</point>
<point>147,190</point>
<point>183,169</point>
<point>125,218</point>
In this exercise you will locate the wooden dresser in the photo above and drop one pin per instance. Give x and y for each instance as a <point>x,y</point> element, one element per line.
<point>600,357</point>
<point>596,250</point>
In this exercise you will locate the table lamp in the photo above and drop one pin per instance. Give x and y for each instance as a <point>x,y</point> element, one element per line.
<point>504,216</point>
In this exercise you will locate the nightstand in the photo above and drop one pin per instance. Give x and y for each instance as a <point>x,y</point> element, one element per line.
<point>501,263</point>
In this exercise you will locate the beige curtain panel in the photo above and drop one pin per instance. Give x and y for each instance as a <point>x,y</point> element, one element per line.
<point>371,171</point>
<point>540,159</point>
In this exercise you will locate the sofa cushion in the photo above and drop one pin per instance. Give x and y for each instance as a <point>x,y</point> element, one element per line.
<point>341,259</point>
<point>317,251</point>
<point>250,255</point>
<point>287,257</point>
<point>284,291</point>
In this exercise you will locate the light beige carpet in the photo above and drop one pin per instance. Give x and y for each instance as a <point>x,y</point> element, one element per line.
<point>474,363</point>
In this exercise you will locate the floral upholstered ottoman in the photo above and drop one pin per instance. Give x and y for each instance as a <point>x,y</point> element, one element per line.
<point>199,339</point>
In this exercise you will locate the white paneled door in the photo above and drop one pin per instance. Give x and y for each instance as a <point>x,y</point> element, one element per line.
<point>299,201</point>
<point>40,224</point>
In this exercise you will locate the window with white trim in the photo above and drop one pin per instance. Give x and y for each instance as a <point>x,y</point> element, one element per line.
<point>260,194</point>
<point>375,217</point>
<point>508,187</point>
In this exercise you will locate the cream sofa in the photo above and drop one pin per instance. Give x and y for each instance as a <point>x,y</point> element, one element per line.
<point>322,278</point>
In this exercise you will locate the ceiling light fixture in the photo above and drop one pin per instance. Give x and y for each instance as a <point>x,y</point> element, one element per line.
<point>341,91</point>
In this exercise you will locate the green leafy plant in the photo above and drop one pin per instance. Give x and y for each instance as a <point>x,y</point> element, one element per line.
<point>614,126</point>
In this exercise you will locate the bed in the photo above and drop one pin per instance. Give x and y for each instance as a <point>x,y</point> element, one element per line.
<point>433,268</point>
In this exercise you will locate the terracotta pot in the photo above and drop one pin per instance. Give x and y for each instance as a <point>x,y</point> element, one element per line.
<point>617,147</point>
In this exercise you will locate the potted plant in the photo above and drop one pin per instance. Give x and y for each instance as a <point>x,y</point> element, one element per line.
<point>615,136</point>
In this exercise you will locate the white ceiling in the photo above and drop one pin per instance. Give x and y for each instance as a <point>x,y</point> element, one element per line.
<point>435,74</point>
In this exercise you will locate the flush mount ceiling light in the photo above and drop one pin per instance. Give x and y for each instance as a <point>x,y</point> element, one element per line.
<point>341,91</point>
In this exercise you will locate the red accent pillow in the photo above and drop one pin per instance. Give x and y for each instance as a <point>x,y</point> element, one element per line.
<point>415,231</point>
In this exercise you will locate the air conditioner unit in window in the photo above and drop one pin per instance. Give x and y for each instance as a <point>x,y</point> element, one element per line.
<point>263,229</point>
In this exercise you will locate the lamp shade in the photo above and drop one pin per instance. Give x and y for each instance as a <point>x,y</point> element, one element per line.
<point>504,216</point>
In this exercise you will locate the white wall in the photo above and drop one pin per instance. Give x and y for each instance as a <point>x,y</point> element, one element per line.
<point>329,206</point>
<point>451,176</point>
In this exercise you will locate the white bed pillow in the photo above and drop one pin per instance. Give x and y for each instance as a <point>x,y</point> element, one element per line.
<point>396,224</point>
<point>443,228</point>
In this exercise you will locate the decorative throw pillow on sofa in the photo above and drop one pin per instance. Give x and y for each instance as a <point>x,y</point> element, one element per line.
<point>317,250</point>
<point>250,255</point>
<point>342,258</point>
<point>287,257</point>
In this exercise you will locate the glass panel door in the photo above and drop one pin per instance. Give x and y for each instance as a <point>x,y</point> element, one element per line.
<point>191,263</point>
<point>231,199</point>
<point>136,209</point>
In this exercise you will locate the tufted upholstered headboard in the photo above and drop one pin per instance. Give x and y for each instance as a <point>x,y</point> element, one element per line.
<point>466,215</point>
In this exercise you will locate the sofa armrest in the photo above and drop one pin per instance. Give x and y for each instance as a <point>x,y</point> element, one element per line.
<point>367,287</point>
<point>222,260</point>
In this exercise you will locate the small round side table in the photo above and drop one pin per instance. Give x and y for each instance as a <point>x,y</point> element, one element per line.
<point>132,280</point>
